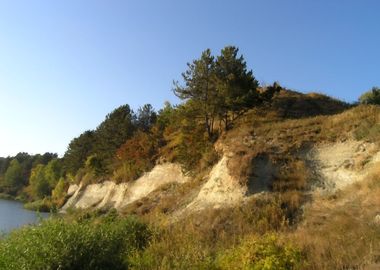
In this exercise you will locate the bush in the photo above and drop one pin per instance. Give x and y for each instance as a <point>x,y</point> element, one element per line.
<point>136,156</point>
<point>371,97</point>
<point>88,244</point>
<point>44,205</point>
<point>264,253</point>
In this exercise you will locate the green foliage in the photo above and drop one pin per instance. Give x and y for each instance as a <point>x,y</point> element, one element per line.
<point>59,192</point>
<point>265,253</point>
<point>200,89</point>
<point>15,171</point>
<point>371,97</point>
<point>13,178</point>
<point>136,156</point>
<point>193,145</point>
<point>43,179</point>
<point>78,151</point>
<point>118,127</point>
<point>87,244</point>
<point>165,116</point>
<point>186,140</point>
<point>146,118</point>
<point>39,186</point>
<point>43,159</point>
<point>236,86</point>
<point>95,165</point>
<point>53,172</point>
<point>43,205</point>
<point>4,164</point>
<point>219,88</point>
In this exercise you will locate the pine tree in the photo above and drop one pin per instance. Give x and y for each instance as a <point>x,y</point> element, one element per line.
<point>199,88</point>
<point>236,86</point>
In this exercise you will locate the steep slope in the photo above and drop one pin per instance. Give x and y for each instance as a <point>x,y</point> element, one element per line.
<point>109,194</point>
<point>343,231</point>
<point>281,147</point>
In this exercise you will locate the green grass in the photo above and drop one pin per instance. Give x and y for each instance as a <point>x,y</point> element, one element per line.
<point>103,243</point>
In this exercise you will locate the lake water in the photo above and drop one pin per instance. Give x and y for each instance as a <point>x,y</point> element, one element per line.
<point>13,215</point>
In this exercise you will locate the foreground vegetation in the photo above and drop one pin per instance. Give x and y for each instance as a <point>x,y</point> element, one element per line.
<point>255,235</point>
<point>89,243</point>
<point>110,242</point>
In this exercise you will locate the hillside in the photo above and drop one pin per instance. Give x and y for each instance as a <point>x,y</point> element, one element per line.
<point>263,144</point>
<point>236,176</point>
<point>305,166</point>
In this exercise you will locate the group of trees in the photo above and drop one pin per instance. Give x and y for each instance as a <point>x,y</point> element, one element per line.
<point>98,147</point>
<point>219,88</point>
<point>21,175</point>
<point>44,178</point>
<point>216,90</point>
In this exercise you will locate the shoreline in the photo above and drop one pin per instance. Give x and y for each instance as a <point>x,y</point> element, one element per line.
<point>27,205</point>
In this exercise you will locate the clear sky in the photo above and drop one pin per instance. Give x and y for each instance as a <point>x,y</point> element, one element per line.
<point>65,64</point>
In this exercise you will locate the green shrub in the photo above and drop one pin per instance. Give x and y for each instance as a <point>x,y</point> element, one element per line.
<point>136,156</point>
<point>44,205</point>
<point>371,97</point>
<point>265,253</point>
<point>59,244</point>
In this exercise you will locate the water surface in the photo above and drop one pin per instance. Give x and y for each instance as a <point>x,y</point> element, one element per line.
<point>13,215</point>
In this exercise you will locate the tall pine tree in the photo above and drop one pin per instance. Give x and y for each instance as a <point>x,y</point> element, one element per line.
<point>199,88</point>
<point>236,86</point>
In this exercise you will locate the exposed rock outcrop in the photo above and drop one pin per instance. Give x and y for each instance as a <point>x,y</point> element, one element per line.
<point>220,190</point>
<point>109,194</point>
<point>334,166</point>
<point>337,165</point>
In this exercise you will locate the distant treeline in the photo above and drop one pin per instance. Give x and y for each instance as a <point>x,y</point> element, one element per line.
<point>18,175</point>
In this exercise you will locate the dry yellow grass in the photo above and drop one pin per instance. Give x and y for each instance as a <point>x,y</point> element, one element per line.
<point>340,232</point>
<point>335,232</point>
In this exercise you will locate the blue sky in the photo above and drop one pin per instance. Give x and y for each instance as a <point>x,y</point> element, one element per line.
<point>65,64</point>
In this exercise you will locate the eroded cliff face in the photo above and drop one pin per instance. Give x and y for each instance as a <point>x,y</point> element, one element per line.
<point>333,166</point>
<point>111,195</point>
<point>220,190</point>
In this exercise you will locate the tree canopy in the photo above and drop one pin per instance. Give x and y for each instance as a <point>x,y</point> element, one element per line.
<point>218,87</point>
<point>78,151</point>
<point>118,126</point>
